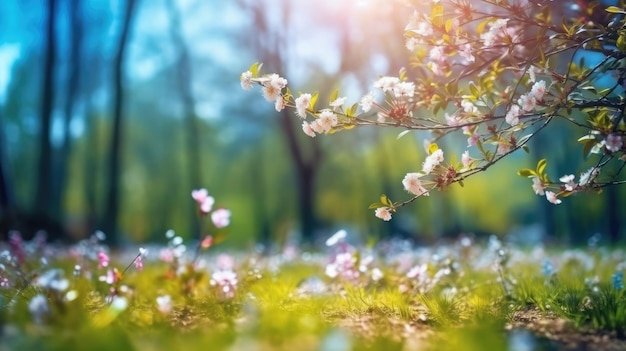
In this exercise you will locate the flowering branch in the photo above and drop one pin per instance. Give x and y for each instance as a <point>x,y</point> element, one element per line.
<point>498,72</point>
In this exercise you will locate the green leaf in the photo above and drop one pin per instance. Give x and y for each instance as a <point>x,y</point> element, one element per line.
<point>588,147</point>
<point>313,101</point>
<point>385,200</point>
<point>375,205</point>
<point>432,148</point>
<point>333,95</point>
<point>621,42</point>
<point>255,69</point>
<point>526,149</point>
<point>474,90</point>
<point>526,173</point>
<point>541,166</point>
<point>615,9</point>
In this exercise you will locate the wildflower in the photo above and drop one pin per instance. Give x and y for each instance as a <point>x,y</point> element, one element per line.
<point>617,280</point>
<point>552,198</point>
<point>512,115</point>
<point>547,269</point>
<point>383,213</point>
<point>4,282</point>
<point>206,242</point>
<point>225,262</point>
<point>307,129</point>
<point>339,236</point>
<point>118,304</point>
<point>139,260</point>
<point>53,280</point>
<point>221,217</point>
<point>164,304</point>
<point>538,186</point>
<point>570,185</point>
<point>302,103</point>
<point>413,185</point>
<point>377,274</point>
<point>613,142</point>
<point>205,202</point>
<point>226,280</point>
<point>103,260</point>
<point>246,80</point>
<point>367,101</point>
<point>38,308</point>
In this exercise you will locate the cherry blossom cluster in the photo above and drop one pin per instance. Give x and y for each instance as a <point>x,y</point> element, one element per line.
<point>497,72</point>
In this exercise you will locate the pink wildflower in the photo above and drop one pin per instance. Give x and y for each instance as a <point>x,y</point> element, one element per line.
<point>103,260</point>
<point>221,217</point>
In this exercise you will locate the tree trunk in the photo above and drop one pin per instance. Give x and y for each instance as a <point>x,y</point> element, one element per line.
<point>112,205</point>
<point>62,163</point>
<point>7,207</point>
<point>42,201</point>
<point>183,70</point>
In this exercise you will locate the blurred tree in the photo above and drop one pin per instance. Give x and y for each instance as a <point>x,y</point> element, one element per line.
<point>42,203</point>
<point>112,203</point>
<point>184,85</point>
<point>61,165</point>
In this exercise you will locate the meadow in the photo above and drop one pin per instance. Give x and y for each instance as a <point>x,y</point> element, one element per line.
<point>467,294</point>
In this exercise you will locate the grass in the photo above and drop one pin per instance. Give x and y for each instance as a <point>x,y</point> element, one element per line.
<point>451,297</point>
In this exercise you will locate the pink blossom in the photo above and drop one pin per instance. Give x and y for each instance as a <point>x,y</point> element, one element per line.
<point>466,160</point>
<point>538,90</point>
<point>512,115</point>
<point>436,69</point>
<point>527,102</point>
<point>432,161</point>
<point>468,106</point>
<point>383,213</point>
<point>205,202</point>
<point>570,185</point>
<point>453,119</point>
<point>279,104</point>
<point>404,89</point>
<point>466,52</point>
<point>277,81</point>
<point>246,80</point>
<point>552,198</point>
<point>538,186</point>
<point>327,120</point>
<point>302,103</point>
<point>4,282</point>
<point>413,185</point>
<point>307,129</point>
<point>437,54</point>
<point>226,280</point>
<point>338,102</point>
<point>613,142</point>
<point>367,101</point>
<point>386,83</point>
<point>270,93</point>
<point>221,217</point>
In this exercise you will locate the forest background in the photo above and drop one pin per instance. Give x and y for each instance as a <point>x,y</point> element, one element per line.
<point>112,111</point>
